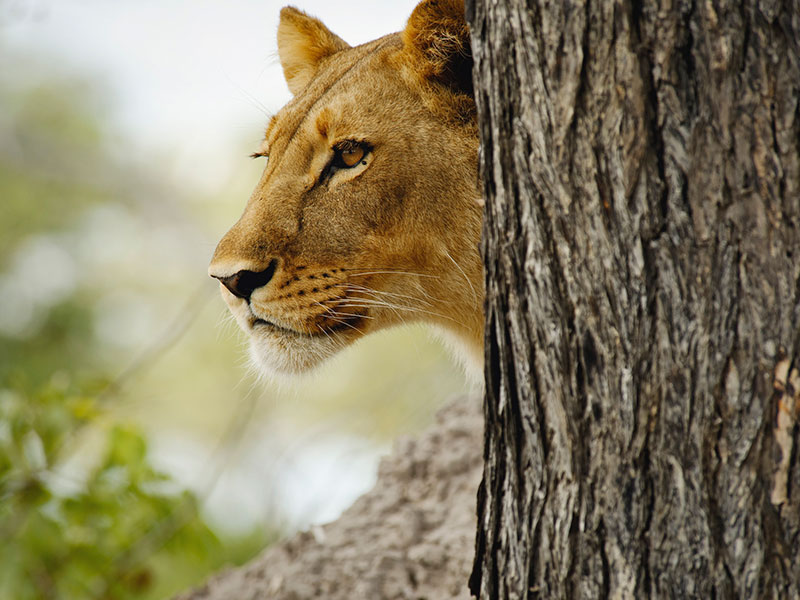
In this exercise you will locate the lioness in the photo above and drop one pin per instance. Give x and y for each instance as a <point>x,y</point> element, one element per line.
<point>368,212</point>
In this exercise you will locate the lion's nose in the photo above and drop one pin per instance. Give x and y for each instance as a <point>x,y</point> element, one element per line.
<point>244,283</point>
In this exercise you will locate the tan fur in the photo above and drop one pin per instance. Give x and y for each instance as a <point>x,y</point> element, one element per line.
<point>390,241</point>
<point>303,42</point>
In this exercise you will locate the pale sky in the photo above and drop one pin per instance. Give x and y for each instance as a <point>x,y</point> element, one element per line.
<point>189,78</point>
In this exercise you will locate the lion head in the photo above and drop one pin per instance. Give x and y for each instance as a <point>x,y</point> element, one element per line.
<point>367,214</point>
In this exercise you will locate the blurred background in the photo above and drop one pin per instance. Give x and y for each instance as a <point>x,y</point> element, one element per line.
<point>137,452</point>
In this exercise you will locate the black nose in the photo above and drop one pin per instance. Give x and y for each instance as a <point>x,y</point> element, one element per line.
<point>244,283</point>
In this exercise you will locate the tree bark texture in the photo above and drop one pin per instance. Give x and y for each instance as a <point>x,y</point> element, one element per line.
<point>409,538</point>
<point>641,170</point>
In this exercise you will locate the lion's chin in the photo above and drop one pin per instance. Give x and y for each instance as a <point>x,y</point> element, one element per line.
<point>280,353</point>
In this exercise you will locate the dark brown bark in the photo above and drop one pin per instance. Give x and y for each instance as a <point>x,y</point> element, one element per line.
<point>641,167</point>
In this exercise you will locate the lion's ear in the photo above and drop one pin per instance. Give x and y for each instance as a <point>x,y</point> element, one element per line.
<point>303,42</point>
<point>437,36</point>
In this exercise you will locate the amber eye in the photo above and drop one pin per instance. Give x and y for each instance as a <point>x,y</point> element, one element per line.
<point>349,155</point>
<point>352,157</point>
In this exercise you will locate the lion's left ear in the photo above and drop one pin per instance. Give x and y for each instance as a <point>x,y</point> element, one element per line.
<point>437,36</point>
<point>303,42</point>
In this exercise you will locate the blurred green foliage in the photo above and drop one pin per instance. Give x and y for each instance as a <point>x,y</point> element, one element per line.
<point>113,529</point>
<point>50,142</point>
<point>83,512</point>
<point>54,138</point>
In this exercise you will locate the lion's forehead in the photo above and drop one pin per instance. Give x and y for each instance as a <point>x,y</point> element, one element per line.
<point>346,80</point>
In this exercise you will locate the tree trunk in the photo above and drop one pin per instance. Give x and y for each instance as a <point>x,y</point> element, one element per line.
<point>641,170</point>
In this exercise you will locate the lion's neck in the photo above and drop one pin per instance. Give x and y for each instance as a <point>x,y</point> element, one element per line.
<point>466,346</point>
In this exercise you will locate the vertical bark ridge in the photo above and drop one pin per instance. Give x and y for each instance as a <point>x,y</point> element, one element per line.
<point>641,166</point>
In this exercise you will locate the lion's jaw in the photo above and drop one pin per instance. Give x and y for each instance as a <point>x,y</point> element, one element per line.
<point>326,251</point>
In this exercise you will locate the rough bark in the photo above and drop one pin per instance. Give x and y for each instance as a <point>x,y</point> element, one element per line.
<point>411,537</point>
<point>641,166</point>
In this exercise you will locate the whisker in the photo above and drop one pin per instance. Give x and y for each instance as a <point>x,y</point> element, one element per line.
<point>367,303</point>
<point>322,329</point>
<point>469,283</point>
<point>419,288</point>
<point>226,325</point>
<point>350,325</point>
<point>378,293</point>
<point>393,273</point>
<point>351,303</point>
<point>251,98</point>
<point>342,318</point>
<point>331,311</point>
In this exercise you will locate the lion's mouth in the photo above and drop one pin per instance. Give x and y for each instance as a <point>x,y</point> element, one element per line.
<point>263,323</point>
<point>342,323</point>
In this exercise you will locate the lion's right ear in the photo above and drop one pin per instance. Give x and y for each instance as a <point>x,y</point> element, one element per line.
<point>303,42</point>
<point>437,36</point>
